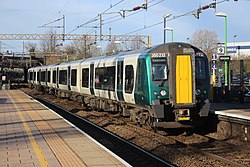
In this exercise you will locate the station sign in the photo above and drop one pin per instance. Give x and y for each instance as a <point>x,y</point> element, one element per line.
<point>232,49</point>
<point>224,58</point>
<point>221,50</point>
<point>214,57</point>
<point>214,66</point>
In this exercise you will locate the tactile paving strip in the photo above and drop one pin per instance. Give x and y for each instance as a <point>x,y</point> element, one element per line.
<point>33,135</point>
<point>62,151</point>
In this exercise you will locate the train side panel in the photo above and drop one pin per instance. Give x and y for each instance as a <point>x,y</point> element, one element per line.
<point>104,78</point>
<point>129,78</point>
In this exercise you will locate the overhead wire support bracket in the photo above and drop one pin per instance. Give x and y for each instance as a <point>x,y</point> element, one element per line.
<point>197,12</point>
<point>143,6</point>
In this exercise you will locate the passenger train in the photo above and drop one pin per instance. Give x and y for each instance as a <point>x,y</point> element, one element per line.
<point>167,85</point>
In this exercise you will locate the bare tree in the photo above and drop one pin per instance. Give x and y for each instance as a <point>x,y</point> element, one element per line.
<point>136,44</point>
<point>49,46</point>
<point>70,49</point>
<point>206,41</point>
<point>85,48</point>
<point>111,48</point>
<point>31,48</point>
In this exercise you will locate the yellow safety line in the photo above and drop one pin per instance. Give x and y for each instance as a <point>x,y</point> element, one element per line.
<point>34,144</point>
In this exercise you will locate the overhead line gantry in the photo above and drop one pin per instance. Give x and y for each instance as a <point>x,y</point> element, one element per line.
<point>105,37</point>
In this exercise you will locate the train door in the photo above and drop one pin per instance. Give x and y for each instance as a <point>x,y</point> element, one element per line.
<point>92,79</point>
<point>184,79</point>
<point>119,84</point>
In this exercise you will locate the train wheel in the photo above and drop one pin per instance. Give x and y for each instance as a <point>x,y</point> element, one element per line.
<point>189,132</point>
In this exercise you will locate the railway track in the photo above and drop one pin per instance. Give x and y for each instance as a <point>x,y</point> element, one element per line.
<point>131,153</point>
<point>180,150</point>
<point>216,149</point>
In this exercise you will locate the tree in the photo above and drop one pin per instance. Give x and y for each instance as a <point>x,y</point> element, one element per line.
<point>136,44</point>
<point>111,48</point>
<point>206,41</point>
<point>49,46</point>
<point>85,48</point>
<point>31,48</point>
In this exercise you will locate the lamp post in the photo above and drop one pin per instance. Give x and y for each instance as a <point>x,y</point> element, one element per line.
<point>165,24</point>
<point>100,51</point>
<point>172,32</point>
<point>234,46</point>
<point>222,14</point>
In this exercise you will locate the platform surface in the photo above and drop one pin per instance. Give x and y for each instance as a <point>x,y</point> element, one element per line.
<point>235,110</point>
<point>33,135</point>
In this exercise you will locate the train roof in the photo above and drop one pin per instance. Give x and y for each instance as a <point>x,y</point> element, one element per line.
<point>156,48</point>
<point>72,62</point>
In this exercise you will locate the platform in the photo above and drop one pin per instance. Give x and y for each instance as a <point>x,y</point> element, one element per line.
<point>33,135</point>
<point>234,110</point>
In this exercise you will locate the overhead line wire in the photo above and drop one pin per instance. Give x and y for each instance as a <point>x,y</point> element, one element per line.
<point>132,13</point>
<point>95,18</point>
<point>174,17</point>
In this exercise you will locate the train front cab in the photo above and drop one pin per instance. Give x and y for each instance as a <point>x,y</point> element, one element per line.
<point>182,108</point>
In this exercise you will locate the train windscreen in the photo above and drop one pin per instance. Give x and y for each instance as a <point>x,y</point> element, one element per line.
<point>159,67</point>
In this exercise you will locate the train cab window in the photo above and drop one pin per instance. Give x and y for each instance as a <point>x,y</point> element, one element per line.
<point>48,76</point>
<point>129,78</point>
<point>200,68</point>
<point>63,77</point>
<point>73,77</point>
<point>85,77</point>
<point>159,69</point>
<point>54,76</point>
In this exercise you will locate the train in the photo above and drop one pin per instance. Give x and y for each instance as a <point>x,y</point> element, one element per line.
<point>163,86</point>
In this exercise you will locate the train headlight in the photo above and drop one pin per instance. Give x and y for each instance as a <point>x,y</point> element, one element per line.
<point>163,92</point>
<point>155,93</point>
<point>198,92</point>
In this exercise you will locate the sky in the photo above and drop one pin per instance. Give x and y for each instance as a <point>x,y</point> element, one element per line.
<point>25,17</point>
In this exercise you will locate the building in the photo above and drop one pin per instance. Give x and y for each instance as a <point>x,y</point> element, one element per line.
<point>238,50</point>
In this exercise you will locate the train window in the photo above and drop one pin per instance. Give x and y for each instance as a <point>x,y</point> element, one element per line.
<point>129,78</point>
<point>63,77</point>
<point>34,76</point>
<point>43,76</point>
<point>99,77</point>
<point>200,68</point>
<point>85,77</point>
<point>73,77</point>
<point>110,76</point>
<point>31,75</point>
<point>105,78</point>
<point>39,76</point>
<point>120,72</point>
<point>159,72</point>
<point>159,69</point>
<point>54,76</point>
<point>48,76</point>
